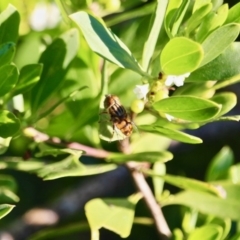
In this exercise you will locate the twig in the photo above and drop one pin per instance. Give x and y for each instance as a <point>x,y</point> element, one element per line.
<point>42,137</point>
<point>138,177</point>
<point>141,184</point>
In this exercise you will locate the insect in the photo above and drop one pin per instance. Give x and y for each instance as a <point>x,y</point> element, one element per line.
<point>118,115</point>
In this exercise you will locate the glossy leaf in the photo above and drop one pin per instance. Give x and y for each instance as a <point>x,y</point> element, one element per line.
<point>9,124</point>
<point>207,204</point>
<point>178,17</point>
<point>56,59</point>
<point>29,76</point>
<point>233,14</point>
<point>8,182</point>
<point>8,78</point>
<point>7,196</point>
<point>20,165</point>
<point>172,8</point>
<point>208,232</point>
<point>230,118</point>
<point>220,165</point>
<point>218,41</point>
<point>197,17</point>
<point>211,22</point>
<point>187,183</point>
<point>161,156</point>
<point>159,168</point>
<point>76,172</point>
<point>105,43</point>
<point>188,108</point>
<point>9,23</point>
<point>171,133</point>
<point>225,66</point>
<point>228,101</point>
<point>4,144</point>
<point>5,209</point>
<point>156,24</point>
<point>180,55</point>
<point>225,224</point>
<point>7,51</point>
<point>119,214</point>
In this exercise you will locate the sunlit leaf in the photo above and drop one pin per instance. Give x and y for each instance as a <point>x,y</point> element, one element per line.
<point>7,51</point>
<point>161,156</point>
<point>218,41</point>
<point>156,24</point>
<point>8,78</point>
<point>181,55</point>
<point>104,42</point>
<point>9,124</point>
<point>208,232</point>
<point>228,101</point>
<point>5,209</point>
<point>119,212</point>
<point>220,165</point>
<point>225,66</point>
<point>56,59</point>
<point>171,133</point>
<point>9,23</point>
<point>188,108</point>
<point>29,76</point>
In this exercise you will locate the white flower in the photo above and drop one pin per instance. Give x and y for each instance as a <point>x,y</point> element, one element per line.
<point>176,80</point>
<point>169,117</point>
<point>141,91</point>
<point>44,16</point>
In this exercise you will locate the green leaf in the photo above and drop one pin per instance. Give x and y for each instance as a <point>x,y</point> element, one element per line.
<point>224,67</point>
<point>207,204</point>
<point>199,4</point>
<point>229,118</point>
<point>7,196</point>
<point>172,8</point>
<point>76,172</point>
<point>159,168</point>
<point>171,133</point>
<point>8,182</point>
<point>119,215</point>
<point>233,14</point>
<point>225,224</point>
<point>178,17</point>
<point>61,231</point>
<point>197,17</point>
<point>218,41</point>
<point>5,209</point>
<point>187,183</point>
<point>220,165</point>
<point>161,156</point>
<point>211,22</point>
<point>208,232</point>
<point>156,25</point>
<point>56,59</point>
<point>181,55</point>
<point>9,124</point>
<point>4,144</point>
<point>29,76</point>
<point>18,164</point>
<point>8,78</point>
<point>188,108</point>
<point>105,43</point>
<point>9,23</point>
<point>228,101</point>
<point>7,51</point>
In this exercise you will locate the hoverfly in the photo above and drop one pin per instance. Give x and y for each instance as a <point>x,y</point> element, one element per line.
<point>118,116</point>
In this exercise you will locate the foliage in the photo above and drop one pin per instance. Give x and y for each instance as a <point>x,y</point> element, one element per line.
<point>54,77</point>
